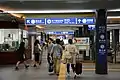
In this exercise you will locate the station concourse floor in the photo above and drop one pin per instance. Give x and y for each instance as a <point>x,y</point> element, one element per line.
<point>41,73</point>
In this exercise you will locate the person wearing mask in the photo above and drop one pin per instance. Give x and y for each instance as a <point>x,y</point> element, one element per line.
<point>57,56</point>
<point>37,52</point>
<point>21,56</point>
<point>70,58</point>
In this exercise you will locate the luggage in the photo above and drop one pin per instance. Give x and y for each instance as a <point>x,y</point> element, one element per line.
<point>78,68</point>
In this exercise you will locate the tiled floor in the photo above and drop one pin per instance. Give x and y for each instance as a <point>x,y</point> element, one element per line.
<point>41,73</point>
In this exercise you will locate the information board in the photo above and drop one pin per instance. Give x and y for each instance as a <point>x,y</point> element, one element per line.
<point>59,21</point>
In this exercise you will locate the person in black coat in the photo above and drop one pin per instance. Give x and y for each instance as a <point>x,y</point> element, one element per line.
<point>21,54</point>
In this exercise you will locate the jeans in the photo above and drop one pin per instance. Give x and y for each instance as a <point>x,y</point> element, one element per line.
<point>48,57</point>
<point>68,67</point>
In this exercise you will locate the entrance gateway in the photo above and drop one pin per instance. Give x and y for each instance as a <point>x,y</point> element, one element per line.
<point>101,37</point>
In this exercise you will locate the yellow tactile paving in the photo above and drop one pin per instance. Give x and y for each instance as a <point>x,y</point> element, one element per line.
<point>62,74</point>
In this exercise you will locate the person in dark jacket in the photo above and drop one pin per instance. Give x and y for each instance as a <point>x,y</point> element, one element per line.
<point>21,54</point>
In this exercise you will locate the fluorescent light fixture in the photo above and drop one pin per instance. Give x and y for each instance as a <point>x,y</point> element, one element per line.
<point>38,26</point>
<point>113,17</point>
<point>52,11</point>
<point>113,10</point>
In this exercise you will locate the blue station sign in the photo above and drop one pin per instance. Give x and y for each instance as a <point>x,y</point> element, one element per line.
<point>59,21</point>
<point>60,32</point>
<point>91,27</point>
<point>31,21</point>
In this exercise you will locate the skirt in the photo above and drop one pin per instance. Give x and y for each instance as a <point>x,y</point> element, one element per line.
<point>37,56</point>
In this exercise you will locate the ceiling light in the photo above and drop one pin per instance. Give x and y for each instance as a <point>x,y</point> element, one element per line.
<point>113,17</point>
<point>38,26</point>
<point>52,11</point>
<point>113,10</point>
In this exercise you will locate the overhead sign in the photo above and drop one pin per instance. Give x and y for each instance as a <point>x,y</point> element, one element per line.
<point>31,21</point>
<point>58,21</point>
<point>91,27</point>
<point>60,32</point>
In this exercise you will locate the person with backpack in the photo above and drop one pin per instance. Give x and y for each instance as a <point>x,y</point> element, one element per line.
<point>21,56</point>
<point>37,52</point>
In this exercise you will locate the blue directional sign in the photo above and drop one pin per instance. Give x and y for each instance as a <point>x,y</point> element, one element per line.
<point>59,21</point>
<point>35,21</point>
<point>91,27</point>
<point>60,32</point>
<point>85,20</point>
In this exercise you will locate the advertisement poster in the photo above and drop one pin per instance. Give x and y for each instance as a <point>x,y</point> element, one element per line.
<point>82,41</point>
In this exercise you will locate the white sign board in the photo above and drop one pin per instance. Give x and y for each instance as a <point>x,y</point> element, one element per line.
<point>82,41</point>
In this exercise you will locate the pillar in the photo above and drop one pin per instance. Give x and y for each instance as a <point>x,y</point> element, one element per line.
<point>115,41</point>
<point>76,33</point>
<point>101,42</point>
<point>92,45</point>
<point>41,37</point>
<point>86,32</point>
<point>80,31</point>
<point>48,36</point>
<point>108,39</point>
<point>45,36</point>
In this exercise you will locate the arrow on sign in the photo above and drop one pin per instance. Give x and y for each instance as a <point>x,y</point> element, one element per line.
<point>79,20</point>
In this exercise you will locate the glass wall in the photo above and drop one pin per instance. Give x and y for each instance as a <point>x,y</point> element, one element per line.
<point>10,39</point>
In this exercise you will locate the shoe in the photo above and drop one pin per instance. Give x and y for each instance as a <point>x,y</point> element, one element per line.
<point>26,66</point>
<point>75,76</point>
<point>34,65</point>
<point>16,68</point>
<point>40,63</point>
<point>57,74</point>
<point>68,74</point>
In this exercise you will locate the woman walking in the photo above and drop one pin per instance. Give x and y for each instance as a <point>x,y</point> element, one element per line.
<point>37,52</point>
<point>21,56</point>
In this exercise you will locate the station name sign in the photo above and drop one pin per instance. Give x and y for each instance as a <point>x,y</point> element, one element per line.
<point>59,21</point>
